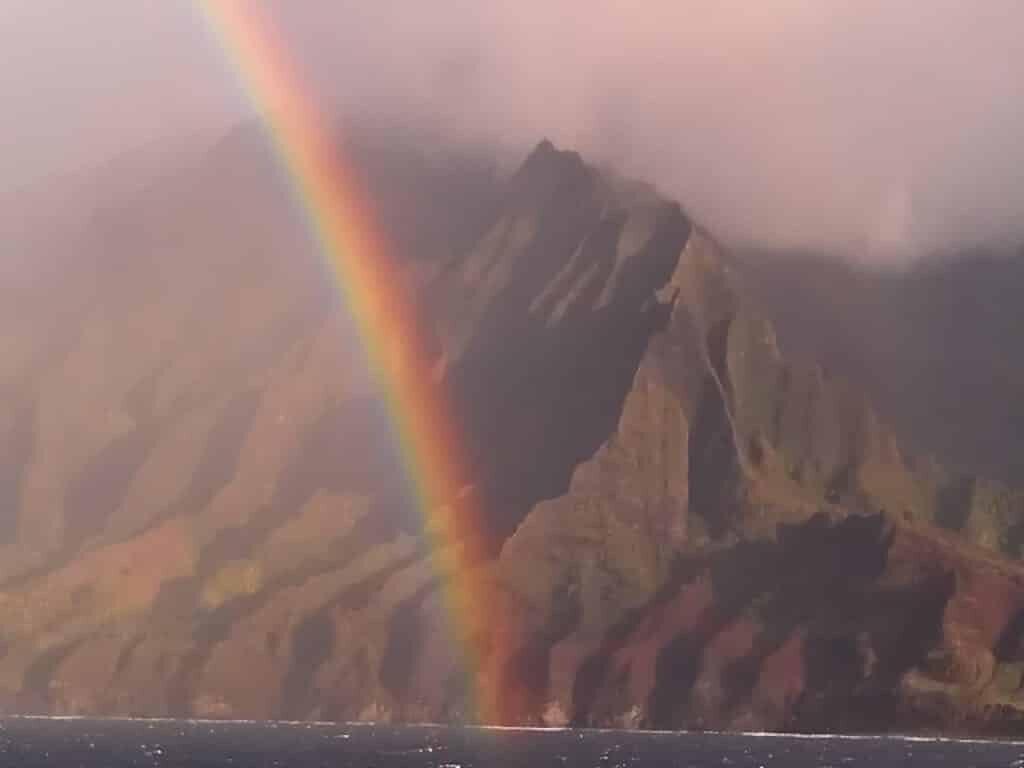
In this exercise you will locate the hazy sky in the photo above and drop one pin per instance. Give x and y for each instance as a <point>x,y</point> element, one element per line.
<point>84,80</point>
<point>876,125</point>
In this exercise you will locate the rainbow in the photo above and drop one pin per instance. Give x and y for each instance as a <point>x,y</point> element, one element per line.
<point>372,287</point>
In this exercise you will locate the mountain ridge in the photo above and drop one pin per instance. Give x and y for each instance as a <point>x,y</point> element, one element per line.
<point>689,530</point>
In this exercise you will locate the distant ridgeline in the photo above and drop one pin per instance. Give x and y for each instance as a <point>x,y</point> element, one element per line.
<point>205,512</point>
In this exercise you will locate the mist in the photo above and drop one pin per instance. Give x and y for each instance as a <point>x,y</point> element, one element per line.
<point>882,130</point>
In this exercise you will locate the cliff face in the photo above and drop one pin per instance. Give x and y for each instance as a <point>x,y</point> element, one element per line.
<point>205,514</point>
<point>931,343</point>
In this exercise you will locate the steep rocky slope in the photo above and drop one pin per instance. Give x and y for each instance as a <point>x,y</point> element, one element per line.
<point>932,343</point>
<point>204,512</point>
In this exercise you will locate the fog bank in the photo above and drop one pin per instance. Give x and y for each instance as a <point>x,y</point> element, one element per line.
<point>883,128</point>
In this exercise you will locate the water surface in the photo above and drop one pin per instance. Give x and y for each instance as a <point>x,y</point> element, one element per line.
<point>87,743</point>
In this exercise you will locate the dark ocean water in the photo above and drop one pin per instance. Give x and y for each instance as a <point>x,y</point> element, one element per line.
<point>80,743</point>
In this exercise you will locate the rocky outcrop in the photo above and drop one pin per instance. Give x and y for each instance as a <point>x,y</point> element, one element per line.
<point>849,625</point>
<point>204,511</point>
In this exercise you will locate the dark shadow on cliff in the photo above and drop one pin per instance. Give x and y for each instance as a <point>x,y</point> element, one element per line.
<point>714,475</point>
<point>853,670</point>
<point>15,453</point>
<point>777,586</point>
<point>540,383</point>
<point>820,581</point>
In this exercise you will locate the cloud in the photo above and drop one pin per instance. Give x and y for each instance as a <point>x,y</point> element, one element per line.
<point>881,128</point>
<point>878,127</point>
